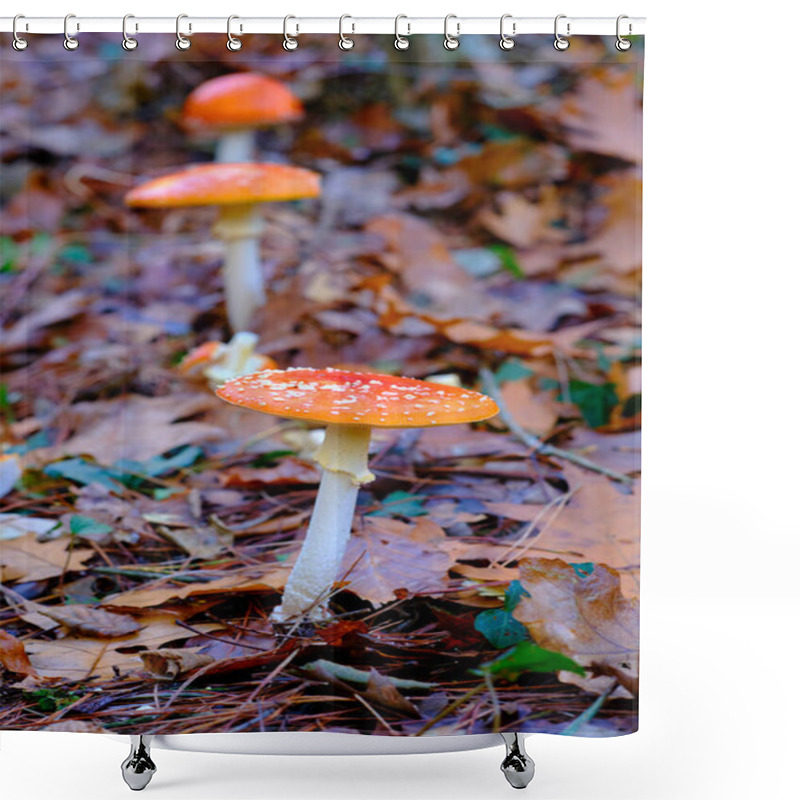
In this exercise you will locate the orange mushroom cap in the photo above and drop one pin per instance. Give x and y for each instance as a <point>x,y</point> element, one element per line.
<point>202,355</point>
<point>240,100</point>
<point>226,184</point>
<point>356,398</point>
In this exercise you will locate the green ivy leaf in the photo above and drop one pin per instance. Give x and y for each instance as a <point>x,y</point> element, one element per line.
<point>88,528</point>
<point>528,657</point>
<point>500,628</point>
<point>595,401</point>
<point>400,504</point>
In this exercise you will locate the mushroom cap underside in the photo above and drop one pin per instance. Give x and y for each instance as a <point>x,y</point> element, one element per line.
<point>357,398</point>
<point>226,184</point>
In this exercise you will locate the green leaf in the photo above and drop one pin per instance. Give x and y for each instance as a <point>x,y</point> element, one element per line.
<point>88,528</point>
<point>515,592</point>
<point>512,370</point>
<point>528,657</point>
<point>508,259</point>
<point>161,465</point>
<point>84,472</point>
<point>583,569</point>
<point>271,458</point>
<point>500,628</point>
<point>595,401</point>
<point>400,504</point>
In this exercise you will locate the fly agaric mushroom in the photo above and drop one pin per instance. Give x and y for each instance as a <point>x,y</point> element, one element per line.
<point>220,362</point>
<point>350,403</point>
<point>234,106</point>
<point>237,189</point>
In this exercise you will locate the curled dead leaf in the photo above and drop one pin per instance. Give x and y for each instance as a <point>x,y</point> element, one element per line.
<point>13,656</point>
<point>170,663</point>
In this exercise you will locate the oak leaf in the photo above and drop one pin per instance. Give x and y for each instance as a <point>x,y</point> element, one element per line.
<point>583,616</point>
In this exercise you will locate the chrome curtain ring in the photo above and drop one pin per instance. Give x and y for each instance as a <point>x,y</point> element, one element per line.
<point>18,42</point>
<point>70,42</point>
<point>181,41</point>
<point>401,42</point>
<point>345,42</point>
<point>560,42</point>
<point>290,42</point>
<point>233,44</point>
<point>128,42</point>
<point>451,41</point>
<point>506,42</point>
<point>623,44</point>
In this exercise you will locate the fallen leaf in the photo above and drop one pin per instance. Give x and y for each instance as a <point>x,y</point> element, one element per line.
<point>381,690</point>
<point>516,220</point>
<point>169,663</point>
<point>203,542</point>
<point>386,554</point>
<point>25,331</point>
<point>87,621</point>
<point>132,427</point>
<point>585,617</point>
<point>289,470</point>
<point>76,726</point>
<point>251,579</point>
<point>79,658</point>
<point>26,558</point>
<point>10,472</point>
<point>600,523</point>
<point>13,656</point>
<point>12,526</point>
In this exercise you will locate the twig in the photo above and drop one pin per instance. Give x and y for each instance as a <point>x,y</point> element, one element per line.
<point>457,703</point>
<point>534,442</point>
<point>375,713</point>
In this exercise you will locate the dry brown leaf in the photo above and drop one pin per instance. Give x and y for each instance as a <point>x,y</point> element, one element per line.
<point>25,558</point>
<point>58,309</point>
<point>264,579</point>
<point>389,555</point>
<point>381,690</point>
<point>76,726</point>
<point>87,621</point>
<point>600,522</point>
<point>535,412</point>
<point>169,663</point>
<point>289,470</point>
<point>199,541</point>
<point>586,618</point>
<point>619,240</point>
<point>605,116</point>
<point>516,221</point>
<point>132,427</point>
<point>13,656</point>
<point>78,658</point>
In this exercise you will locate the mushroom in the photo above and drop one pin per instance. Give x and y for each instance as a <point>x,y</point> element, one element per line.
<point>237,189</point>
<point>220,362</point>
<point>351,404</point>
<point>234,106</point>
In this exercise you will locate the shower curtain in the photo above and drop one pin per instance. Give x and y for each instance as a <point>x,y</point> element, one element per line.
<point>476,225</point>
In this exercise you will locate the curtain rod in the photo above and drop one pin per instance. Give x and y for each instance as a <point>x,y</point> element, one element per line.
<point>298,25</point>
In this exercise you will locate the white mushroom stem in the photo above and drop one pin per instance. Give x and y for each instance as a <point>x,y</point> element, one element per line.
<point>343,457</point>
<point>239,227</point>
<point>237,358</point>
<point>236,147</point>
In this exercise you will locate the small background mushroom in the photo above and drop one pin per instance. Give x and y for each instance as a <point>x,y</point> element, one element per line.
<point>237,189</point>
<point>234,107</point>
